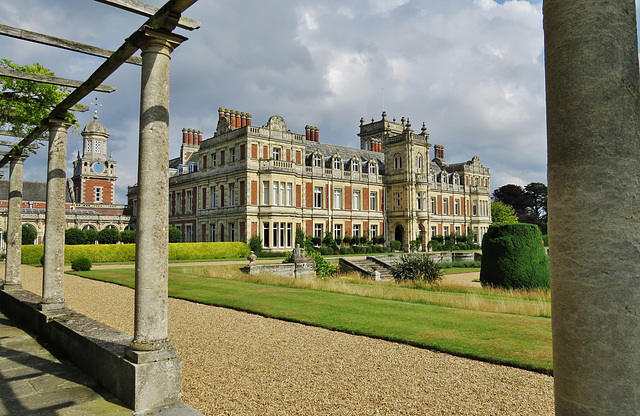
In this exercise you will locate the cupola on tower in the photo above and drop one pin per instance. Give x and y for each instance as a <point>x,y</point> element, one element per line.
<point>94,175</point>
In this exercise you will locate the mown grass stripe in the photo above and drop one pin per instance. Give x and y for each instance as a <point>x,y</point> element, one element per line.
<point>522,341</point>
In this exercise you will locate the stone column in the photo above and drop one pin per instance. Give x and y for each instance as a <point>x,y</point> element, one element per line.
<point>152,235</point>
<point>158,369</point>
<point>14,225</point>
<point>593,122</point>
<point>55,222</point>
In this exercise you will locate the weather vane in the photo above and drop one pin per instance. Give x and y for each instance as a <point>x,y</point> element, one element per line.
<point>95,112</point>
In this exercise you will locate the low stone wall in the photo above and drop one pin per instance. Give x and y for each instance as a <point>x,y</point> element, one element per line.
<point>292,270</point>
<point>281,269</point>
<point>98,350</point>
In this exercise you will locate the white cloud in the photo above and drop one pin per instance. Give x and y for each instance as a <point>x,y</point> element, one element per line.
<point>471,70</point>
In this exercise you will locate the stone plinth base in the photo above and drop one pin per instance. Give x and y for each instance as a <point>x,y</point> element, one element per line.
<point>151,379</point>
<point>148,380</point>
<point>11,286</point>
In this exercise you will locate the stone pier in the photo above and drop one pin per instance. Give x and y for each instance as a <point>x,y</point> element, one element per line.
<point>53,278</point>
<point>158,367</point>
<point>593,121</point>
<point>14,225</point>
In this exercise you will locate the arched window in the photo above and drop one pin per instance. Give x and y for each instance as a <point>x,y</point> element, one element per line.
<point>419,161</point>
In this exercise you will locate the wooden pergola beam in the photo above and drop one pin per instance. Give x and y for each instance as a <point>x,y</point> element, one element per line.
<point>164,19</point>
<point>43,39</point>
<point>46,79</point>
<point>148,10</point>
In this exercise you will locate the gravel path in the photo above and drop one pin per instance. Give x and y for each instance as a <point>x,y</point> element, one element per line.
<point>241,364</point>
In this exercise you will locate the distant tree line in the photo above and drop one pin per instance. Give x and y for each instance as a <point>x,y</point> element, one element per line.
<point>513,203</point>
<point>109,235</point>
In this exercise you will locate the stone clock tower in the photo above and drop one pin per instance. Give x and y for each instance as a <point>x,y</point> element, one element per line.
<point>94,175</point>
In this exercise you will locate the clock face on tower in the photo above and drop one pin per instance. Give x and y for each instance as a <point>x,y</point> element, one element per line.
<point>98,167</point>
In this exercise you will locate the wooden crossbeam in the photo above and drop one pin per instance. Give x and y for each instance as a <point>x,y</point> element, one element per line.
<point>148,10</point>
<point>163,19</point>
<point>46,79</point>
<point>9,143</point>
<point>61,43</point>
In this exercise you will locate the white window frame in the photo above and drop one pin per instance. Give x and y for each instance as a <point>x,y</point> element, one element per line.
<point>266,189</point>
<point>189,201</point>
<point>337,198</point>
<point>317,197</point>
<point>337,231</point>
<point>232,194</point>
<point>373,201</point>
<point>356,200</point>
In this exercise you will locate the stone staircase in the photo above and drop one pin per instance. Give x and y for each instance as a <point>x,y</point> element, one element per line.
<point>370,266</point>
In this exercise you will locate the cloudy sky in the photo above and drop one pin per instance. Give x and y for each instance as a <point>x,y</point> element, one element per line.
<point>472,70</point>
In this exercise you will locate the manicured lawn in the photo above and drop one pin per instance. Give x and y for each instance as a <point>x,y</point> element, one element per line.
<point>523,341</point>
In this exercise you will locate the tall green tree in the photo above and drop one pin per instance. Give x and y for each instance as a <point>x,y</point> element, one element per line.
<point>29,234</point>
<point>501,212</point>
<point>538,194</point>
<point>24,104</point>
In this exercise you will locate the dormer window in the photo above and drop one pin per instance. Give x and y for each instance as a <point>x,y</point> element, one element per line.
<point>317,161</point>
<point>355,166</point>
<point>444,177</point>
<point>337,164</point>
<point>372,167</point>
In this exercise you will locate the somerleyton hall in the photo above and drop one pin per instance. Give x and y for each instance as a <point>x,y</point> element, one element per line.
<point>267,181</point>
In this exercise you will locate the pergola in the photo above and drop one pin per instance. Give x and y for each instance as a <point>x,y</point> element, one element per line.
<point>143,371</point>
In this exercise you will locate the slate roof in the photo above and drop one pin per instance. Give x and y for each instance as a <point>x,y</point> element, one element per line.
<point>32,191</point>
<point>345,153</point>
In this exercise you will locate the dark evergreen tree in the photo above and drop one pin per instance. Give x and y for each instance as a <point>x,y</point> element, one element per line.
<point>513,257</point>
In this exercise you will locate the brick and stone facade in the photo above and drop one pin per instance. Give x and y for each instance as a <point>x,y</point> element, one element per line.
<point>267,181</point>
<point>89,196</point>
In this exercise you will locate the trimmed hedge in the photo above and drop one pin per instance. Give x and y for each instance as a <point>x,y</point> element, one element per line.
<point>195,251</point>
<point>513,257</point>
<point>106,253</point>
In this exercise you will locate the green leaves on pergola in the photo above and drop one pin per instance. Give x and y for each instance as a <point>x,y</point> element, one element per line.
<point>25,104</point>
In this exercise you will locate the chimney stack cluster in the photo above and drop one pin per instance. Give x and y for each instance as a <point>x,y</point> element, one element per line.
<point>376,147</point>
<point>192,137</point>
<point>312,133</point>
<point>236,119</point>
<point>439,150</point>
